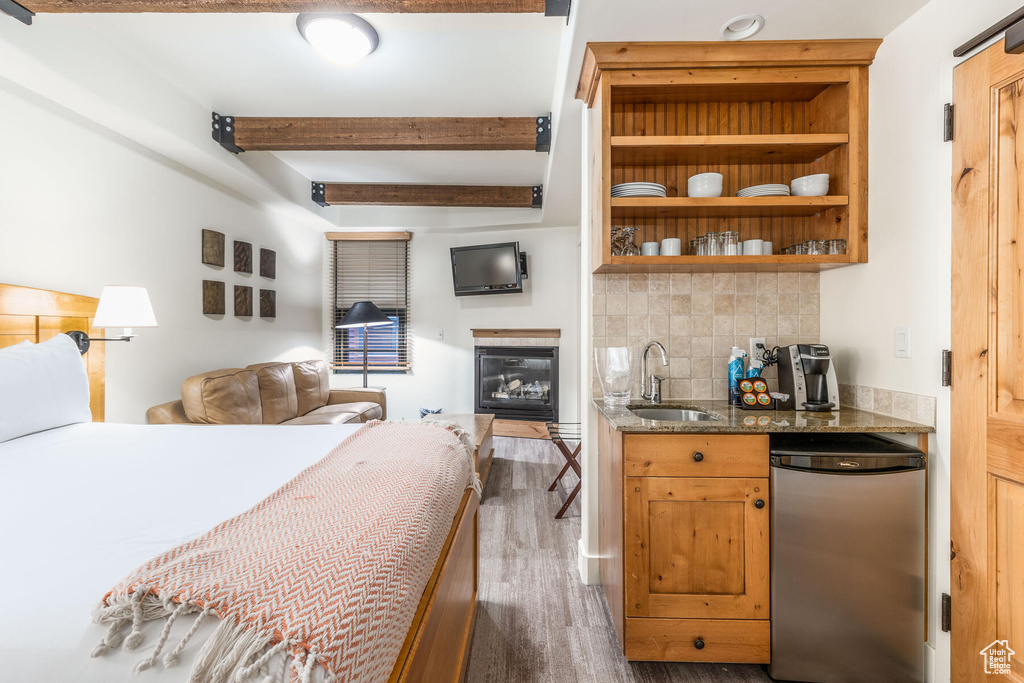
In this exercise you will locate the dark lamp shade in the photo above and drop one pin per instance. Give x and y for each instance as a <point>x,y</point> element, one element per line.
<point>363,313</point>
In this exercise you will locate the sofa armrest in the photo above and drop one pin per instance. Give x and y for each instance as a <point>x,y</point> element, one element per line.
<point>356,395</point>
<point>167,413</point>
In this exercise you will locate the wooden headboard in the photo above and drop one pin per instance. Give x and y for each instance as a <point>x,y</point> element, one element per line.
<point>39,314</point>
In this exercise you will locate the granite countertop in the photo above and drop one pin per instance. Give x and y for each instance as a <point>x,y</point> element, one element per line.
<point>736,420</point>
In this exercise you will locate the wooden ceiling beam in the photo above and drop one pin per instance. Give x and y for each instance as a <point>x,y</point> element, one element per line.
<point>250,134</point>
<point>549,7</point>
<point>461,196</point>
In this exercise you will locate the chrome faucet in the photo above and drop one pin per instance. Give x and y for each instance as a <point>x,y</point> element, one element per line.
<point>650,389</point>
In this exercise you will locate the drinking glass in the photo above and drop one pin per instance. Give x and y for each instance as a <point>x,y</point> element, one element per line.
<point>730,243</point>
<point>799,249</point>
<point>714,243</point>
<point>816,247</point>
<point>836,246</point>
<point>615,369</point>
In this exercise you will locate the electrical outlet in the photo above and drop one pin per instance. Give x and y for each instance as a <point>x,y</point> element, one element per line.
<point>754,353</point>
<point>901,342</point>
<point>439,335</point>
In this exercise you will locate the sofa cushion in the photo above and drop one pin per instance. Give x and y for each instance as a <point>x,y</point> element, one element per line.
<point>312,384</point>
<point>327,415</point>
<point>277,391</point>
<point>230,396</point>
<point>365,409</point>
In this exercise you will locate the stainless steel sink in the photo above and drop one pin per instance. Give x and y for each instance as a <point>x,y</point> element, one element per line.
<point>673,414</point>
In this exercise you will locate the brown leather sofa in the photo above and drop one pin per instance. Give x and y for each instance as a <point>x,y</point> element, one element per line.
<point>270,393</point>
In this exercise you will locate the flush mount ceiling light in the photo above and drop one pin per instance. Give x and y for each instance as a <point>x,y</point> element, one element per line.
<point>342,39</point>
<point>742,27</point>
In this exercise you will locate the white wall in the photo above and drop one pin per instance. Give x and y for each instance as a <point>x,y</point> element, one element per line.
<point>907,279</point>
<point>81,207</point>
<point>442,371</point>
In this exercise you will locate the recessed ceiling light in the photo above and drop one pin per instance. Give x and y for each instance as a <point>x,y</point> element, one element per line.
<point>342,39</point>
<point>742,27</point>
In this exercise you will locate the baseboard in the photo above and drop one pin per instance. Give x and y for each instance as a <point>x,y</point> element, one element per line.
<point>589,566</point>
<point>521,429</point>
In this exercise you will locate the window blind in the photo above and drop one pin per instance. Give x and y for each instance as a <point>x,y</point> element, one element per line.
<point>375,270</point>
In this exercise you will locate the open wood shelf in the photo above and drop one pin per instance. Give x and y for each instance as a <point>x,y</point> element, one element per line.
<point>643,150</point>
<point>775,262</point>
<point>722,207</point>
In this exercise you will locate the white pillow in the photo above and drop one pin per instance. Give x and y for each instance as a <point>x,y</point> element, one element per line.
<point>42,386</point>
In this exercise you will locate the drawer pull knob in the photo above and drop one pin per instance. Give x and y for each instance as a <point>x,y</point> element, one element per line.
<point>759,503</point>
<point>699,643</point>
<point>698,456</point>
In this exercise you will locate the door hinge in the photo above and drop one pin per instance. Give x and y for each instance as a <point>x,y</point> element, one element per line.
<point>947,612</point>
<point>948,118</point>
<point>947,367</point>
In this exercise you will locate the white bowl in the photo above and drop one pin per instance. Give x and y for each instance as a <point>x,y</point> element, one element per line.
<point>704,185</point>
<point>810,185</point>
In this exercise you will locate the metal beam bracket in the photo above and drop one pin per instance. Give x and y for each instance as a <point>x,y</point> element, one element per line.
<point>224,133</point>
<point>319,198</point>
<point>544,133</point>
<point>557,8</point>
<point>20,13</point>
<point>538,196</point>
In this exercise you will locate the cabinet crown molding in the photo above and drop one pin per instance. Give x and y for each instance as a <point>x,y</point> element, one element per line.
<point>600,57</point>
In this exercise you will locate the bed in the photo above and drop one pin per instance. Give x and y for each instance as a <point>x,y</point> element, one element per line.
<point>67,540</point>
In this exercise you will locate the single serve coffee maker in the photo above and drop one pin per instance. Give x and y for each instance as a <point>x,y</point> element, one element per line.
<point>808,375</point>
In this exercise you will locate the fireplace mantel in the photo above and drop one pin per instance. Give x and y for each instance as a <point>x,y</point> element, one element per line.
<point>517,333</point>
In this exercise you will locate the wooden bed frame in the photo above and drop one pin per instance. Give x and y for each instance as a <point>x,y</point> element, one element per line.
<point>436,649</point>
<point>36,315</point>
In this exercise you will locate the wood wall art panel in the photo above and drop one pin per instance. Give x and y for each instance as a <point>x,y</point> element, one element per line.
<point>243,301</point>
<point>243,257</point>
<point>268,264</point>
<point>213,248</point>
<point>213,297</point>
<point>268,303</point>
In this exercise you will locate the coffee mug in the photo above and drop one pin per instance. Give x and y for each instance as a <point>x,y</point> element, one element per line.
<point>752,247</point>
<point>649,249</point>
<point>766,249</point>
<point>672,246</point>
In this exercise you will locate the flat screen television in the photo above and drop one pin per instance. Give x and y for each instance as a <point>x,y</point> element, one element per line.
<point>487,269</point>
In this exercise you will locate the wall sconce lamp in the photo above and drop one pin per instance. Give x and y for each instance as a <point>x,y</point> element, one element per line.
<point>120,306</point>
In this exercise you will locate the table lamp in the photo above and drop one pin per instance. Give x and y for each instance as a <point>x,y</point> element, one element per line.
<point>364,314</point>
<point>120,306</point>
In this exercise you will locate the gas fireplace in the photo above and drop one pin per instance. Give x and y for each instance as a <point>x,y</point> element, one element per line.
<point>517,383</point>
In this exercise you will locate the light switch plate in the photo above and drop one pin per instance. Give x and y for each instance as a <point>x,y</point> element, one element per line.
<point>439,335</point>
<point>901,342</point>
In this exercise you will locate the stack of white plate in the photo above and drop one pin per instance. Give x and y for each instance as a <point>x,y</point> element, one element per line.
<point>641,190</point>
<point>771,190</point>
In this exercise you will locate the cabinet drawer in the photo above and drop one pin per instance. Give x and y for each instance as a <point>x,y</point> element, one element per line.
<point>691,455</point>
<point>675,640</point>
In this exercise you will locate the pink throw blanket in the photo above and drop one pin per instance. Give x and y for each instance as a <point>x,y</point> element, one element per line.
<point>329,570</point>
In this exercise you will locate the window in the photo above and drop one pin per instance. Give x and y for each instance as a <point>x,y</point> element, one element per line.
<point>375,270</point>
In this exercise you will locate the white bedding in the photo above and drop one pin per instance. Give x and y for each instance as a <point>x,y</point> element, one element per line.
<point>83,505</point>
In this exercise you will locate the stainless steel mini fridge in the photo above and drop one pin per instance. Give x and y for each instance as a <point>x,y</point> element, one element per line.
<point>848,559</point>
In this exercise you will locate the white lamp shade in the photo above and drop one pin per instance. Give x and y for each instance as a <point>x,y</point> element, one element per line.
<point>123,306</point>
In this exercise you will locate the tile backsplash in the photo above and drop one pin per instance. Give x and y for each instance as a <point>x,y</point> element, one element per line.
<point>913,407</point>
<point>698,317</point>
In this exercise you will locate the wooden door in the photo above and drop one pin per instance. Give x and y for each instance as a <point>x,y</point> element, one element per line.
<point>987,431</point>
<point>696,548</point>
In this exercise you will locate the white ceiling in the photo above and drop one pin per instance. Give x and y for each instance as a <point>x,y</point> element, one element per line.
<point>449,65</point>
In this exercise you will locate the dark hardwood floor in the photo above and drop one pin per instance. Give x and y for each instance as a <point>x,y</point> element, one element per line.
<point>536,621</point>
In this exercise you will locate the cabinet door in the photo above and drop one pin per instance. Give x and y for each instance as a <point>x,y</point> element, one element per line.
<point>697,548</point>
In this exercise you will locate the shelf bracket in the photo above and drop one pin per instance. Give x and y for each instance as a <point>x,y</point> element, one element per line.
<point>544,133</point>
<point>15,10</point>
<point>319,197</point>
<point>538,196</point>
<point>224,132</point>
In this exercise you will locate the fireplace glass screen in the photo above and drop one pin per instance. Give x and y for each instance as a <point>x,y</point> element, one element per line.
<point>517,383</point>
